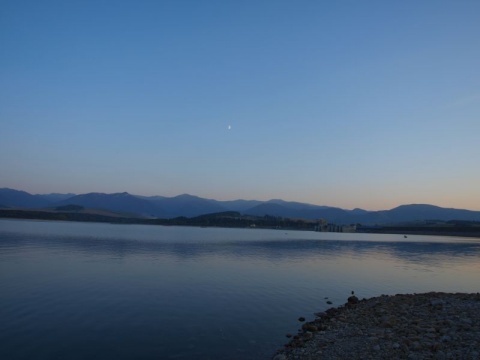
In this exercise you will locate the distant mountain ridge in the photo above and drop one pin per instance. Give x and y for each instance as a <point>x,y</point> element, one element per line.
<point>191,206</point>
<point>118,202</point>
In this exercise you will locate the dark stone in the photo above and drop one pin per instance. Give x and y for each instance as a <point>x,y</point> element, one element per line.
<point>352,300</point>
<point>309,327</point>
<point>329,302</point>
<point>298,343</point>
<point>331,312</point>
<point>307,336</point>
<point>301,318</point>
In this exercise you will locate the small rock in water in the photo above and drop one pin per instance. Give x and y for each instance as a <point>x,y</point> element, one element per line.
<point>329,302</point>
<point>301,318</point>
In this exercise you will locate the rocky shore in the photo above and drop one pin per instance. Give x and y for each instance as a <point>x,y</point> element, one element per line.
<point>411,326</point>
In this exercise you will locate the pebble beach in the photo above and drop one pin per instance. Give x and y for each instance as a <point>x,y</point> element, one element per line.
<point>405,326</point>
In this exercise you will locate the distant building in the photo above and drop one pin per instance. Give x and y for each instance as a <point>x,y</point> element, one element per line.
<point>324,226</point>
<point>349,228</point>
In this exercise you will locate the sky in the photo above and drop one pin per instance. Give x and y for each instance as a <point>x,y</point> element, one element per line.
<point>354,104</point>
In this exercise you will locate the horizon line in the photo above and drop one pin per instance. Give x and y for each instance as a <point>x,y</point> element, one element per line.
<point>238,199</point>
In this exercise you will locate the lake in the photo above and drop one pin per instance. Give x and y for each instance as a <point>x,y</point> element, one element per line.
<point>89,290</point>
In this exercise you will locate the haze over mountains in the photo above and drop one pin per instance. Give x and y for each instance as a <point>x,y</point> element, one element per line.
<point>190,206</point>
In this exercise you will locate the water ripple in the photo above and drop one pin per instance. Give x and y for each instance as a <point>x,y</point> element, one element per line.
<point>110,291</point>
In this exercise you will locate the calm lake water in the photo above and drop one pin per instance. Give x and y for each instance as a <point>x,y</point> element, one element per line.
<point>101,291</point>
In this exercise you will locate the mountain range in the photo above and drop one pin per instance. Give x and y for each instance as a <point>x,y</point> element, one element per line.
<point>190,206</point>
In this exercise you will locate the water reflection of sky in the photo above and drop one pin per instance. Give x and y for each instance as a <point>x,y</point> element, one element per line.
<point>269,245</point>
<point>378,261</point>
<point>245,287</point>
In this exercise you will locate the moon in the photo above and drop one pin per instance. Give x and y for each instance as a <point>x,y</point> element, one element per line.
<point>229,127</point>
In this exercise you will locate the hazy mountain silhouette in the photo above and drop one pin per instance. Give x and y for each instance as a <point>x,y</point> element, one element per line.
<point>54,197</point>
<point>413,212</point>
<point>21,199</point>
<point>239,205</point>
<point>299,210</point>
<point>119,202</point>
<point>191,206</point>
<point>186,205</point>
<point>155,206</point>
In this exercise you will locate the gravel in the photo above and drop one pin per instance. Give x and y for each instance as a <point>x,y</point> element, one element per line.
<point>404,326</point>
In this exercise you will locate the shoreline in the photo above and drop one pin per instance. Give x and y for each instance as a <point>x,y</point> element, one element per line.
<point>432,325</point>
<point>221,220</point>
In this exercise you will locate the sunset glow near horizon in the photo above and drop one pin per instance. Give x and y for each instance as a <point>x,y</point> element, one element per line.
<point>349,104</point>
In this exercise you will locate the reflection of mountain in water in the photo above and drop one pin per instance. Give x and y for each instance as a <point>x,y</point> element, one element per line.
<point>417,252</point>
<point>406,251</point>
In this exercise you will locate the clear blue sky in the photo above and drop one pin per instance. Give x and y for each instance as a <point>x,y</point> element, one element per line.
<point>367,104</point>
